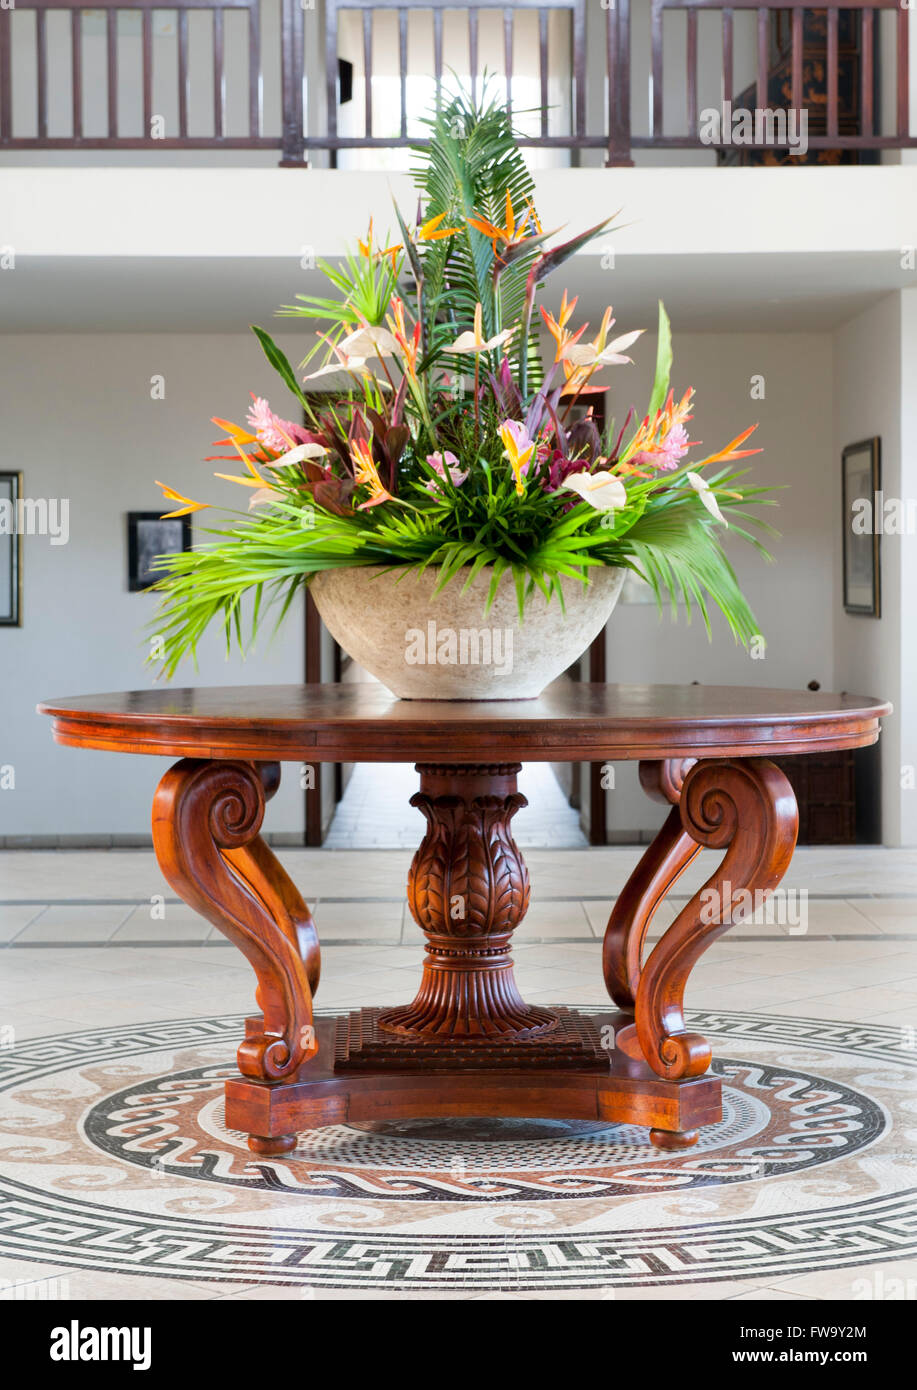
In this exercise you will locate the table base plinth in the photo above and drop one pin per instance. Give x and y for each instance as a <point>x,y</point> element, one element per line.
<point>624,1091</point>
<point>363,1040</point>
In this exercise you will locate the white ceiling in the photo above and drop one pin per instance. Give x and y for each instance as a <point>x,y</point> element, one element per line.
<point>790,292</point>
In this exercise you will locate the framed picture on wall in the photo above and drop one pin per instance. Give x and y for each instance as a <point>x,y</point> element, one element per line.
<point>149,535</point>
<point>10,550</point>
<point>861,480</point>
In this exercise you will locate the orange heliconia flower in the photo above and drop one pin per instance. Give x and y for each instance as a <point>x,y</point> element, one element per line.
<point>408,342</point>
<point>366,474</point>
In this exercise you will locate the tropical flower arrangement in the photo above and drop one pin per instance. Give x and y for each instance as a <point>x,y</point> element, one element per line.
<point>452,444</point>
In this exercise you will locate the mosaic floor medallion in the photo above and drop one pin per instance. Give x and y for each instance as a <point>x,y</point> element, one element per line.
<point>114,1156</point>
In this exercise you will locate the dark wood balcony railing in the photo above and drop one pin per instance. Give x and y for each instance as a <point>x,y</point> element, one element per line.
<point>303,77</point>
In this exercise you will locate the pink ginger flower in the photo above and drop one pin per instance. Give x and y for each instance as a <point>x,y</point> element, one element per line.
<point>439,463</point>
<point>272,432</point>
<point>667,454</point>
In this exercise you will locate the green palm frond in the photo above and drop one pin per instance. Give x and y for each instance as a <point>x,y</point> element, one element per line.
<point>471,163</point>
<point>680,556</point>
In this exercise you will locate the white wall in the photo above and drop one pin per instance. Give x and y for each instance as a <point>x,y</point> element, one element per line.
<point>793,599</point>
<point>875,357</point>
<point>867,402</point>
<point>907,694</point>
<point>79,421</point>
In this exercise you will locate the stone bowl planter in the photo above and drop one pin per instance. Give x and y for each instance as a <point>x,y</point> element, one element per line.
<point>426,646</point>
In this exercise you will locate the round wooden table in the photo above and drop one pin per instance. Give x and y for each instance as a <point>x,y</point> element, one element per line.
<point>468,1043</point>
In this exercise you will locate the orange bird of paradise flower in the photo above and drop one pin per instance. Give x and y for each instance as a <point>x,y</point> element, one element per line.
<point>513,232</point>
<point>172,496</point>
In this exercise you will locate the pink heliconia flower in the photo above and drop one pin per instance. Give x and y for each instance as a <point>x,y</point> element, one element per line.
<point>669,452</point>
<point>439,463</point>
<point>267,426</point>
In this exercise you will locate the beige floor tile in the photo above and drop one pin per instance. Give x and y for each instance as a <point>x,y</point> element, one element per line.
<point>891,1281</point>
<point>552,919</point>
<point>178,923</point>
<point>358,921</point>
<point>14,919</point>
<point>767,1295</point>
<point>105,1286</point>
<point>61,924</point>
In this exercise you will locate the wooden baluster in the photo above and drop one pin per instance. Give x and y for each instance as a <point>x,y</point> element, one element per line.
<point>508,58</point>
<point>111,44</point>
<point>41,34</point>
<point>219,81</point>
<point>6,104</point>
<point>147,59</point>
<point>728,63</point>
<point>331,72</point>
<point>796,63</point>
<point>832,72</point>
<point>368,73</point>
<point>579,68</point>
<point>617,57</point>
<point>656,30</point>
<point>867,76</point>
<point>691,73</point>
<point>438,55</point>
<point>254,73</point>
<point>183,93</point>
<point>763,57</point>
<point>473,52</point>
<point>403,69</point>
<point>543,68</point>
<point>624,152</point>
<point>903,122</point>
<point>76,70</point>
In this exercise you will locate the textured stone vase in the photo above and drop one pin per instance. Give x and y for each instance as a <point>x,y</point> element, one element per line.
<point>426,646</point>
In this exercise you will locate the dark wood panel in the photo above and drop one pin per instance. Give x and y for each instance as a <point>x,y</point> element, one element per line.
<point>825,790</point>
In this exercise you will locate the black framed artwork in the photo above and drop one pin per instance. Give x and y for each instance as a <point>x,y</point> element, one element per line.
<point>10,550</point>
<point>861,482</point>
<point>149,534</point>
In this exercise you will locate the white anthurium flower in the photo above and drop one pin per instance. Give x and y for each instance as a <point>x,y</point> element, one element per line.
<point>264,495</point>
<point>300,452</point>
<point>706,495</point>
<point>603,491</point>
<point>475,341</point>
<point>347,364</point>
<point>371,341</point>
<point>588,355</point>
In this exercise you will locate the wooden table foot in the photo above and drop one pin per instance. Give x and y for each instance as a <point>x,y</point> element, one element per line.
<point>273,1146</point>
<point>673,1139</point>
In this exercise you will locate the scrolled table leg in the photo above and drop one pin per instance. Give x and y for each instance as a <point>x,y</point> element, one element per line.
<point>666,859</point>
<point>206,819</point>
<point>747,807</point>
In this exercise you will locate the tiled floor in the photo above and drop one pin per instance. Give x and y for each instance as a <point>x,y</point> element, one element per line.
<point>375,810</point>
<point>96,939</point>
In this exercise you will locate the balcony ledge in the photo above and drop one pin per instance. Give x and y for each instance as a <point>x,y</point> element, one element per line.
<point>284,213</point>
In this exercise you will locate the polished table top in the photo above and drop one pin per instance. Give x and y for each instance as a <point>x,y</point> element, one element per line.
<point>364,723</point>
